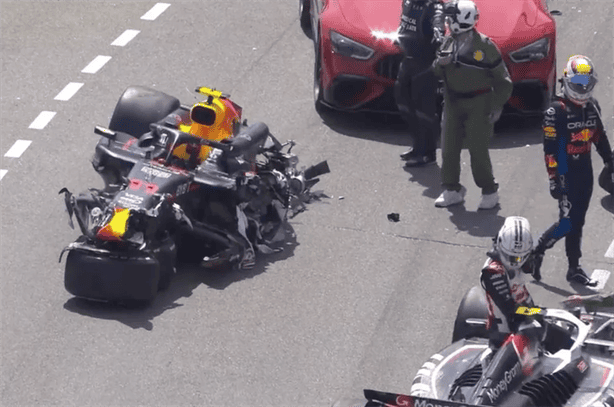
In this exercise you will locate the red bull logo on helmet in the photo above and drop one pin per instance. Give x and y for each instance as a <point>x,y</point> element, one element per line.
<point>581,66</point>
<point>578,65</point>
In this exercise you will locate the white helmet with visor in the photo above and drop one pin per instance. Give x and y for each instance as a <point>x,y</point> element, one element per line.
<point>461,16</point>
<point>579,79</point>
<point>514,242</point>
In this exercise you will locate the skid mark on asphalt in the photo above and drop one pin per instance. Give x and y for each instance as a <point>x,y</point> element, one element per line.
<point>155,11</point>
<point>18,148</point>
<point>42,120</point>
<point>96,64</point>
<point>69,91</point>
<point>125,38</point>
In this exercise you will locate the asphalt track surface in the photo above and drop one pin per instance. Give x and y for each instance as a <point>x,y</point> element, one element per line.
<point>355,301</point>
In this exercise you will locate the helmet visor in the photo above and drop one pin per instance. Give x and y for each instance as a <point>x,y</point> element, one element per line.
<point>203,115</point>
<point>514,261</point>
<point>582,84</point>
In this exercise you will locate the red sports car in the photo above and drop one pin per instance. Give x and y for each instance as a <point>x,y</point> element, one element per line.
<point>357,60</point>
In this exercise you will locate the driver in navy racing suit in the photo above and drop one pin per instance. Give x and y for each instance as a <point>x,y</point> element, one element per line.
<point>571,125</point>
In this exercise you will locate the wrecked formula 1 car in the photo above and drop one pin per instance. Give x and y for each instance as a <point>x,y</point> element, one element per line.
<point>576,369</point>
<point>190,183</point>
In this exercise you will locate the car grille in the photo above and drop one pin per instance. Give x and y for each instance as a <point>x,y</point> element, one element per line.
<point>388,66</point>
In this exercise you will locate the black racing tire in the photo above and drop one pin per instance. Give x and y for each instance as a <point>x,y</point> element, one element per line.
<point>304,15</point>
<point>474,306</point>
<point>166,255</point>
<point>138,107</point>
<point>98,276</point>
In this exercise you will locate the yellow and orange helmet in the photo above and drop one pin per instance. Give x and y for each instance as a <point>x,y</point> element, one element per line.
<point>215,118</point>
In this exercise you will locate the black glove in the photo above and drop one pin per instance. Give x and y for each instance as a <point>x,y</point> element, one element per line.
<point>529,265</point>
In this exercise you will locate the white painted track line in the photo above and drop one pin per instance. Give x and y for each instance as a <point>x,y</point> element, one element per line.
<point>3,173</point>
<point>96,64</point>
<point>610,252</point>
<point>125,38</point>
<point>155,11</point>
<point>68,91</point>
<point>18,148</point>
<point>42,120</point>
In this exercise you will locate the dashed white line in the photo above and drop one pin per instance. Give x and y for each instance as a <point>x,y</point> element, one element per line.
<point>18,148</point>
<point>96,64</point>
<point>68,91</point>
<point>125,38</point>
<point>155,11</point>
<point>610,251</point>
<point>41,120</point>
<point>3,173</point>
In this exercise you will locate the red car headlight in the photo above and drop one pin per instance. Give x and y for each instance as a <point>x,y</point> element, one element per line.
<point>532,52</point>
<point>348,47</point>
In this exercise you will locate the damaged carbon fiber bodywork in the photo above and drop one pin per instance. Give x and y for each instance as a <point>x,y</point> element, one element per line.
<point>156,208</point>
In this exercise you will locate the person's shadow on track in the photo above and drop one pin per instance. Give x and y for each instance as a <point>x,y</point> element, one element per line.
<point>577,289</point>
<point>482,223</point>
<point>187,278</point>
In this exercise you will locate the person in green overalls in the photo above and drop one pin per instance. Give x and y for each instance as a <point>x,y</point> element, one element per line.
<point>476,86</point>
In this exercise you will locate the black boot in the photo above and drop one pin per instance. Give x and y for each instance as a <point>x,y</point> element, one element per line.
<point>575,274</point>
<point>416,160</point>
<point>406,155</point>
